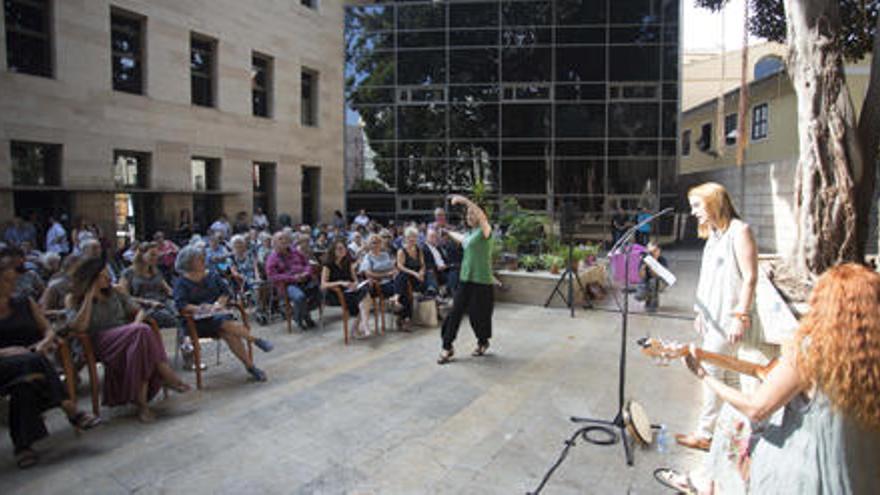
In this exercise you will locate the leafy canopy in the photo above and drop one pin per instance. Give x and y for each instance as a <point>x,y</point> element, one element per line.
<point>858,22</point>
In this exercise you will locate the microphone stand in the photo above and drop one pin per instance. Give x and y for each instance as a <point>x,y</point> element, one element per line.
<point>624,244</point>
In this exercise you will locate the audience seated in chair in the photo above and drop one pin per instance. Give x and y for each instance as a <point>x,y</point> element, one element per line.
<point>144,280</point>
<point>410,277</point>
<point>379,267</point>
<point>26,374</point>
<point>338,278</point>
<point>134,359</point>
<point>204,296</point>
<point>291,273</point>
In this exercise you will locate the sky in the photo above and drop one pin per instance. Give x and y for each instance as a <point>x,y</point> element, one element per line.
<point>702,28</point>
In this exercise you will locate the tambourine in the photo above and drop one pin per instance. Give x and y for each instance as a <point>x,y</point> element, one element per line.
<point>637,423</point>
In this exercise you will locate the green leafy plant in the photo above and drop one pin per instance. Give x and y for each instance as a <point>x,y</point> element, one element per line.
<point>529,262</point>
<point>549,260</point>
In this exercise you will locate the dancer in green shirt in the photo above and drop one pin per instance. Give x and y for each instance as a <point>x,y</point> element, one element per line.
<point>474,295</point>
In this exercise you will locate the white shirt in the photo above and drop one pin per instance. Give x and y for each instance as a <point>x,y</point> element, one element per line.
<point>260,221</point>
<point>438,258</point>
<point>56,239</point>
<point>362,220</point>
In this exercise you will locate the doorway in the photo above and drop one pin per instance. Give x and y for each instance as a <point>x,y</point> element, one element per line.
<point>311,195</point>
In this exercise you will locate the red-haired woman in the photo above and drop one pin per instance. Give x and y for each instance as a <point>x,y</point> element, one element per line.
<point>828,382</point>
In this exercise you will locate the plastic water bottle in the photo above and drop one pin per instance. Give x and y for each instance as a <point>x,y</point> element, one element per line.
<point>663,440</point>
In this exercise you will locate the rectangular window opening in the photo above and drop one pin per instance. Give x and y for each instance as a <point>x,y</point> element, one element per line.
<point>261,85</point>
<point>131,169</point>
<point>203,70</point>
<point>127,44</point>
<point>309,100</point>
<point>760,121</point>
<point>28,37</point>
<point>35,164</point>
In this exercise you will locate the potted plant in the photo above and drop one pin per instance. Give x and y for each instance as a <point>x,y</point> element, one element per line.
<point>529,262</point>
<point>552,262</point>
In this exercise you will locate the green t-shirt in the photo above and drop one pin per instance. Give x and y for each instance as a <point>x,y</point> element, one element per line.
<point>476,266</point>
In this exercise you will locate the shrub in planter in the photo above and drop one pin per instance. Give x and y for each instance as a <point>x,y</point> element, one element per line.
<point>529,262</point>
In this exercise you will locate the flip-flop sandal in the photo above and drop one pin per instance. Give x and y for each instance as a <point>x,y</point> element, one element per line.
<point>84,421</point>
<point>480,350</point>
<point>445,356</point>
<point>674,480</point>
<point>26,458</point>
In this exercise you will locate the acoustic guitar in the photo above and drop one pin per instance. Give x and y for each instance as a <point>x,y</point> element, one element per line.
<point>668,350</point>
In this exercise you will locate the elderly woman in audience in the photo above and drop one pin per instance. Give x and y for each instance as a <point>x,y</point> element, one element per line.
<point>338,271</point>
<point>290,271</point>
<point>47,265</point>
<point>144,281</point>
<point>410,274</point>
<point>264,248</point>
<point>134,359</point>
<point>26,374</point>
<point>244,264</point>
<point>216,254</point>
<point>29,283</point>
<point>167,253</point>
<point>379,267</point>
<point>356,246</point>
<point>205,295</point>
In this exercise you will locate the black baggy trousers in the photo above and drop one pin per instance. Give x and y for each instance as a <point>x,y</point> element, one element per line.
<point>477,300</point>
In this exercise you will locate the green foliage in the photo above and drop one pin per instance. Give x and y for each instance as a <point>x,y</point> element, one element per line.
<point>858,22</point>
<point>529,262</point>
<point>523,227</point>
<point>481,197</point>
<point>549,260</point>
<point>496,249</point>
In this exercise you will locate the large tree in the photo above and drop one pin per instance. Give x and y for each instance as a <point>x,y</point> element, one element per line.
<point>837,165</point>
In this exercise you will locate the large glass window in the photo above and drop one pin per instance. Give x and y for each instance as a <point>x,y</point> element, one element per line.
<point>473,15</point>
<point>473,66</point>
<point>421,67</point>
<point>633,120</point>
<point>421,122</point>
<point>473,121</point>
<point>524,176</point>
<point>525,64</point>
<point>35,164</point>
<point>580,64</point>
<point>525,121</point>
<point>760,121</point>
<point>424,16</point>
<point>580,120</point>
<point>261,85</point>
<point>634,63</point>
<point>28,37</point>
<point>575,12</point>
<point>532,13</point>
<point>127,40</point>
<point>579,177</point>
<point>202,70</point>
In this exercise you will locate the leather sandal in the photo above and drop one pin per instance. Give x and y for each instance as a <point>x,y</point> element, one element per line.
<point>692,441</point>
<point>445,356</point>
<point>480,350</point>
<point>26,458</point>
<point>675,480</point>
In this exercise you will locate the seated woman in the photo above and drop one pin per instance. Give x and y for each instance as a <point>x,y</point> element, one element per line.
<point>216,254</point>
<point>828,382</point>
<point>199,292</point>
<point>410,273</point>
<point>338,271</point>
<point>144,281</point>
<point>59,285</point>
<point>26,374</point>
<point>135,364</point>
<point>378,266</point>
<point>244,264</point>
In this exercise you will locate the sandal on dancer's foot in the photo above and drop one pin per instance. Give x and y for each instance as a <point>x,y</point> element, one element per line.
<point>672,479</point>
<point>26,458</point>
<point>480,350</point>
<point>693,441</point>
<point>445,356</point>
<point>84,421</point>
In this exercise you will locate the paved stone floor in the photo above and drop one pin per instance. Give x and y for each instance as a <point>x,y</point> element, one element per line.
<point>379,416</point>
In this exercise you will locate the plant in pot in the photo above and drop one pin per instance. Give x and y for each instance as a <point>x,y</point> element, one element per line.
<point>552,262</point>
<point>529,262</point>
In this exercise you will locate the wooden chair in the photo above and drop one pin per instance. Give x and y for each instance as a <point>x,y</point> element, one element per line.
<point>340,296</point>
<point>92,365</point>
<point>378,302</point>
<point>190,325</point>
<point>288,308</point>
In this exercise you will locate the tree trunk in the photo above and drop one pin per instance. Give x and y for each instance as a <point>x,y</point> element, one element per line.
<point>830,155</point>
<point>869,135</point>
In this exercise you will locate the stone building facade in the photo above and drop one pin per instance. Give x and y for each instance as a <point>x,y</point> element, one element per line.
<point>129,112</point>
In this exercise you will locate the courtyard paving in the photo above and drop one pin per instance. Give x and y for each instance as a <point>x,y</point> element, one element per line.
<point>380,417</point>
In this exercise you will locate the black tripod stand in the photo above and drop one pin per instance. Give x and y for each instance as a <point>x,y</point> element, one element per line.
<point>569,275</point>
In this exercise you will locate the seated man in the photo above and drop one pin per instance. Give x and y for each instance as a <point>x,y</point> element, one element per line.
<point>650,285</point>
<point>289,270</point>
<point>436,269</point>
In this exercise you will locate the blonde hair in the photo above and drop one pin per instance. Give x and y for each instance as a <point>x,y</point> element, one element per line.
<point>410,231</point>
<point>718,206</point>
<point>837,345</point>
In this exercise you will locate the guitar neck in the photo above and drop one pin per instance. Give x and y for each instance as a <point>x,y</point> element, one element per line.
<point>734,364</point>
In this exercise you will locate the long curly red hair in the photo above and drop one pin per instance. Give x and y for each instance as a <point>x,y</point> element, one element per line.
<point>838,342</point>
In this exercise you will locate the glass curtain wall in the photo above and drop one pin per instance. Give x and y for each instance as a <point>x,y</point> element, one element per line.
<point>543,100</point>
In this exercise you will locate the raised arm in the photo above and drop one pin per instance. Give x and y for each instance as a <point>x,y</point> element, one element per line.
<point>482,219</point>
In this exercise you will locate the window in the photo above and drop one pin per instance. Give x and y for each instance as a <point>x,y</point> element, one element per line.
<point>131,169</point>
<point>261,85</point>
<point>28,37</point>
<point>760,119</point>
<point>126,39</point>
<point>768,65</point>
<point>309,103</point>
<point>202,69</point>
<point>312,4</point>
<point>35,164</point>
<point>730,129</point>
<point>686,143</point>
<point>264,187</point>
<point>705,141</point>
<point>205,174</point>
